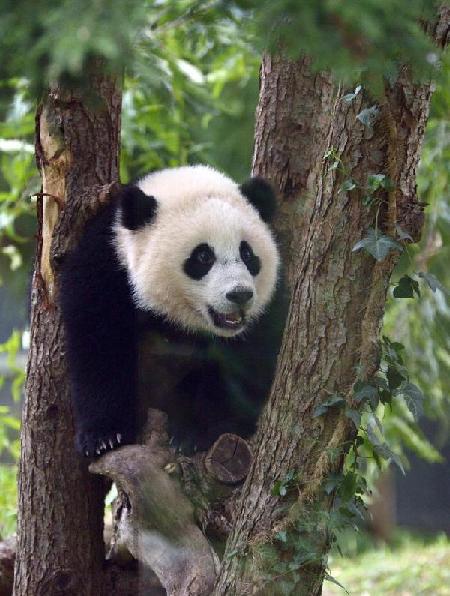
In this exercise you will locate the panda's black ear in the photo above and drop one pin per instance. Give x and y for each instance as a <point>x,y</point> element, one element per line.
<point>261,195</point>
<point>137,208</point>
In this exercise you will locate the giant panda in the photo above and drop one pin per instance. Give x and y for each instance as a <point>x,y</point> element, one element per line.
<point>169,294</point>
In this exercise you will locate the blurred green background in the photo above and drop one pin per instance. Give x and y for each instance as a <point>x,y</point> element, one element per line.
<point>190,92</point>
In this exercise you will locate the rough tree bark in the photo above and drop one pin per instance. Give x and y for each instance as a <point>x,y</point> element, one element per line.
<point>60,547</point>
<point>337,297</point>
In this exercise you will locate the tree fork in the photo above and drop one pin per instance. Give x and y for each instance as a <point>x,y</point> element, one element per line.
<point>60,519</point>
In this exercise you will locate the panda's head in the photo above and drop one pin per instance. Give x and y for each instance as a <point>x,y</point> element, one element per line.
<point>198,249</point>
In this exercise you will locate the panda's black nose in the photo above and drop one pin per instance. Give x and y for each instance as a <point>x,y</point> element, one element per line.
<point>240,296</point>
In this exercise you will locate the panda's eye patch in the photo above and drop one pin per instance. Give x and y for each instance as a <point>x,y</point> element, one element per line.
<point>252,262</point>
<point>201,260</point>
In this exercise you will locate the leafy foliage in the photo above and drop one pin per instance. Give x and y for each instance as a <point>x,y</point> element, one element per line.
<point>406,288</point>
<point>423,325</point>
<point>365,40</point>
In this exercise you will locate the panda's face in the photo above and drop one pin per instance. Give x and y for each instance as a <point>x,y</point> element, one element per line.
<point>207,266</point>
<point>223,285</point>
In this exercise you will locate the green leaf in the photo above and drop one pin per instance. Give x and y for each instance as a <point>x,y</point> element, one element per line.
<point>365,392</point>
<point>334,400</point>
<point>374,431</point>
<point>351,96</point>
<point>380,382</point>
<point>406,288</point>
<point>376,181</point>
<point>333,580</point>
<point>414,399</point>
<point>402,234</point>
<point>332,482</point>
<point>369,200</point>
<point>353,508</point>
<point>368,116</point>
<point>348,185</point>
<point>377,244</point>
<point>392,350</point>
<point>354,416</point>
<point>386,452</point>
<point>348,485</point>
<point>395,377</point>
<point>432,282</point>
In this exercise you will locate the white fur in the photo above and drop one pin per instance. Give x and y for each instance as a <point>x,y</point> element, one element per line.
<point>196,204</point>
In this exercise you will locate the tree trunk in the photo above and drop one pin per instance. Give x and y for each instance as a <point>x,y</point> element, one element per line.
<point>337,302</point>
<point>60,545</point>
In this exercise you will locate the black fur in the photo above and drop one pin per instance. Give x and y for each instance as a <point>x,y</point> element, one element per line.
<point>138,209</point>
<point>101,338</point>
<point>262,196</point>
<point>252,262</point>
<point>200,261</point>
<point>206,384</point>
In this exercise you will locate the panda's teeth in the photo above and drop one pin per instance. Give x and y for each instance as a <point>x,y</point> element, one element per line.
<point>233,318</point>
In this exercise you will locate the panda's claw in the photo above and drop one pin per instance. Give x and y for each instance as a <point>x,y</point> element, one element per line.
<point>90,444</point>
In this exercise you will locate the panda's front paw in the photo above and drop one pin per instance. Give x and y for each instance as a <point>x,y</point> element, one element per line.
<point>93,444</point>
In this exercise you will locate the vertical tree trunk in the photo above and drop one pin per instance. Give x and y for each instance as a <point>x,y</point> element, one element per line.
<point>60,544</point>
<point>337,300</point>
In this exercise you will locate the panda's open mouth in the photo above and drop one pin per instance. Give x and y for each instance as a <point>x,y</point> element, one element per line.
<point>227,320</point>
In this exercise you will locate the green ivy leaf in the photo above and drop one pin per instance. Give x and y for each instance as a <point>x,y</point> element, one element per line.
<point>348,185</point>
<point>369,200</point>
<point>334,400</point>
<point>414,399</point>
<point>348,485</point>
<point>395,377</point>
<point>351,96</point>
<point>375,182</point>
<point>365,392</point>
<point>378,445</point>
<point>380,382</point>
<point>332,482</point>
<point>433,282</point>
<point>368,116</point>
<point>392,350</point>
<point>357,512</point>
<point>406,288</point>
<point>402,234</point>
<point>354,416</point>
<point>386,452</point>
<point>333,580</point>
<point>377,244</point>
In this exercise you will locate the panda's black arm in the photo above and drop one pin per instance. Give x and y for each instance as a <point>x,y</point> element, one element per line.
<point>101,340</point>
